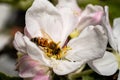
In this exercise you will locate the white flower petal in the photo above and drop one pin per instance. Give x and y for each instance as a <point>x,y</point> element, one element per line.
<point>90,45</point>
<point>61,67</point>
<point>109,29</point>
<point>42,15</point>
<point>118,76</point>
<point>107,65</point>
<point>70,13</point>
<point>28,67</point>
<point>26,32</point>
<point>35,52</point>
<point>92,15</point>
<point>116,31</point>
<point>19,43</point>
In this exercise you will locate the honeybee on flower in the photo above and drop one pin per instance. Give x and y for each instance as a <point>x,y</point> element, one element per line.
<point>45,44</point>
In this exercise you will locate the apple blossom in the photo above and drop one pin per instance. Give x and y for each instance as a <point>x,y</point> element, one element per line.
<point>53,25</point>
<point>114,40</point>
<point>107,65</point>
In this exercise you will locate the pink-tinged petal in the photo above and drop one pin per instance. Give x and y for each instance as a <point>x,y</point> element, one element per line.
<point>70,13</point>
<point>91,44</point>
<point>116,31</point>
<point>109,29</point>
<point>29,68</point>
<point>63,67</point>
<point>92,15</point>
<point>41,77</point>
<point>26,32</point>
<point>35,52</point>
<point>43,16</point>
<point>107,65</point>
<point>19,43</point>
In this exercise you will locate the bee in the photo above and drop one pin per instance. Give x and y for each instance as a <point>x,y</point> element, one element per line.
<point>40,41</point>
<point>49,46</point>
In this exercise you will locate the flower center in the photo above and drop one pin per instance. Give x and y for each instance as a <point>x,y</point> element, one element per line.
<point>50,48</point>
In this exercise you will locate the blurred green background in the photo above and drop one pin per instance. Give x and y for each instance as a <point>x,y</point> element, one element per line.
<point>114,5</point>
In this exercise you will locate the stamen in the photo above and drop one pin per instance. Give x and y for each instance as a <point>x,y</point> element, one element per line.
<point>57,54</point>
<point>75,12</point>
<point>50,48</point>
<point>75,33</point>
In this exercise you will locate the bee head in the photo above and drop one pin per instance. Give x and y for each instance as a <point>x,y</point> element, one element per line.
<point>34,40</point>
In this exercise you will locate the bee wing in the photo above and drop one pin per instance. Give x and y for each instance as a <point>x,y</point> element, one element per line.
<point>46,35</point>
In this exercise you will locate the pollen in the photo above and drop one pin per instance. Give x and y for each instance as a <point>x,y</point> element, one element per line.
<point>50,48</point>
<point>75,12</point>
<point>56,52</point>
